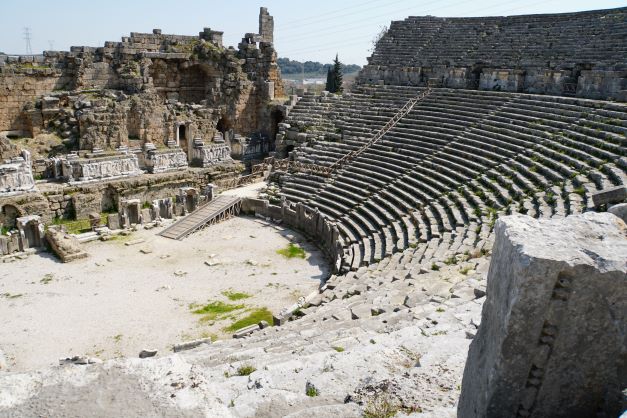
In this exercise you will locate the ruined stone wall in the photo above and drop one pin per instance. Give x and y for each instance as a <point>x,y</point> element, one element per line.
<point>19,90</point>
<point>154,70</point>
<point>79,200</point>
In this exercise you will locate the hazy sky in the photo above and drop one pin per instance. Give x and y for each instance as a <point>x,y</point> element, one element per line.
<point>309,30</point>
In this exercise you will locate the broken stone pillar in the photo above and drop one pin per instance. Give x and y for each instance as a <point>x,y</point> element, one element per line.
<point>211,191</point>
<point>113,221</point>
<point>94,220</point>
<point>266,25</point>
<point>31,230</point>
<point>552,339</point>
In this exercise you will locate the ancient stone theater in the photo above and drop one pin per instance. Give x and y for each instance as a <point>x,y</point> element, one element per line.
<point>446,237</point>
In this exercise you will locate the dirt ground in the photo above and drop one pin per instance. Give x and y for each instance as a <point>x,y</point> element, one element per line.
<point>123,299</point>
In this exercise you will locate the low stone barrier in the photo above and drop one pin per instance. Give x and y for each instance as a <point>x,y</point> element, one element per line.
<point>306,220</point>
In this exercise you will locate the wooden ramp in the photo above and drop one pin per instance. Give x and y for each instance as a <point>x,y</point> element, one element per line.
<point>218,209</point>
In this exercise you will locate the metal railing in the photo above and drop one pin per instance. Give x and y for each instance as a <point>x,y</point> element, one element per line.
<point>287,165</point>
<point>386,128</point>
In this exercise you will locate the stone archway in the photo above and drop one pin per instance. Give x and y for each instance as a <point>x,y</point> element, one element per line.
<point>225,127</point>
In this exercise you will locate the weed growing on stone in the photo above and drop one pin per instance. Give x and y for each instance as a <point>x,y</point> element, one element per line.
<point>311,391</point>
<point>245,370</point>
<point>381,406</point>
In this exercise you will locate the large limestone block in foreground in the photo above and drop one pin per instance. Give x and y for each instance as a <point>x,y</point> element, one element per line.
<point>552,341</point>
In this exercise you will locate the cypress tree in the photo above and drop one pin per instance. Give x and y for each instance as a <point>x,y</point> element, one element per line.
<point>337,75</point>
<point>329,87</point>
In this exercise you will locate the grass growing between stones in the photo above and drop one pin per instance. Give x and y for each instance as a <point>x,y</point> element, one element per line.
<point>292,251</point>
<point>254,317</point>
<point>214,310</point>
<point>245,370</point>
<point>233,296</point>
<point>78,226</point>
<point>311,391</point>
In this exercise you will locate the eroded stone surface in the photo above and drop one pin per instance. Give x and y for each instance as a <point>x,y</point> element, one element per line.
<point>553,326</point>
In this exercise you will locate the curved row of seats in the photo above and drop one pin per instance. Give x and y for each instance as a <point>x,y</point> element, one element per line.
<point>460,158</point>
<point>506,42</point>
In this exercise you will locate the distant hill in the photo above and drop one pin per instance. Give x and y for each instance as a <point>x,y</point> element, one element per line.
<point>312,68</point>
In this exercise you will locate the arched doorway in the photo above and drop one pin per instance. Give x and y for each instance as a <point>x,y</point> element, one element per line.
<point>182,134</point>
<point>224,126</point>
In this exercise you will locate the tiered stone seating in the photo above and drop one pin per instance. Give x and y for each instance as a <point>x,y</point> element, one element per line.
<point>508,42</point>
<point>437,181</point>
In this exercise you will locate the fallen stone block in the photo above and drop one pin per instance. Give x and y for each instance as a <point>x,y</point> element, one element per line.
<point>79,360</point>
<point>552,337</point>
<point>188,345</point>
<point>610,195</point>
<point>147,353</point>
<point>241,333</point>
<point>134,242</point>
<point>65,246</point>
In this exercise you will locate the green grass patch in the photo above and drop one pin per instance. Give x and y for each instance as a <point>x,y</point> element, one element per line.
<point>215,310</point>
<point>254,317</point>
<point>233,296</point>
<point>292,251</point>
<point>312,391</point>
<point>78,226</point>
<point>245,370</point>
<point>581,191</point>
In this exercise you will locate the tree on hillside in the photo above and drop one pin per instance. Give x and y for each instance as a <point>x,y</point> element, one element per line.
<point>330,86</point>
<point>335,76</point>
<point>296,67</point>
